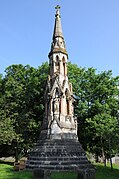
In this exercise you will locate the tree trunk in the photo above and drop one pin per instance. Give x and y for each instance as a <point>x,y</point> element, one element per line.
<point>105,163</point>
<point>104,157</point>
<point>16,155</point>
<point>96,158</point>
<point>111,165</point>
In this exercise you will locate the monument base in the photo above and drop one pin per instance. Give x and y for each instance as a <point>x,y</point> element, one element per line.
<point>51,155</point>
<point>41,174</point>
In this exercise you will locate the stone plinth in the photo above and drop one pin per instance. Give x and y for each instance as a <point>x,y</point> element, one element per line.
<point>60,155</point>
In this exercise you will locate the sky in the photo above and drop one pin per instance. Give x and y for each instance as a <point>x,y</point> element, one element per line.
<point>90,28</point>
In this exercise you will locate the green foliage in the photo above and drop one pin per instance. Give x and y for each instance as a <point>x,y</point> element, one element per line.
<point>22,107</point>
<point>102,130</point>
<point>7,131</point>
<point>97,109</point>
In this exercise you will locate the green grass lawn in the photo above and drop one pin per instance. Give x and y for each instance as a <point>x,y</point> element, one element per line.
<point>106,173</point>
<point>7,172</point>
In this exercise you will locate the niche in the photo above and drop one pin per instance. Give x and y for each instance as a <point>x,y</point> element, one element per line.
<point>56,93</point>
<point>64,66</point>
<point>67,105</point>
<point>67,102</point>
<point>57,64</point>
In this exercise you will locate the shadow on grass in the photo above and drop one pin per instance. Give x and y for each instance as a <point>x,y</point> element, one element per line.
<point>6,162</point>
<point>106,173</point>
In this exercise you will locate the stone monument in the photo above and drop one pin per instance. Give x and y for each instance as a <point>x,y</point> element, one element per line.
<point>58,148</point>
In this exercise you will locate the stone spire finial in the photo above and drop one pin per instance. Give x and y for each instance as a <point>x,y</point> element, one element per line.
<point>57,10</point>
<point>58,43</point>
<point>58,27</point>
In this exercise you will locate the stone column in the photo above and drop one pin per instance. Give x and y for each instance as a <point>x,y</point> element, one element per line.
<point>53,68</point>
<point>51,108</point>
<point>60,67</point>
<point>70,87</point>
<point>63,106</point>
<point>70,107</point>
<point>65,69</point>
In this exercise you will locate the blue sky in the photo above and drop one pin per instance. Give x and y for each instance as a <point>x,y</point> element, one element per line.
<point>90,28</point>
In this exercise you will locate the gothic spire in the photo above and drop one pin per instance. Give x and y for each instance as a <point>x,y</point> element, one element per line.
<point>58,26</point>
<point>58,43</point>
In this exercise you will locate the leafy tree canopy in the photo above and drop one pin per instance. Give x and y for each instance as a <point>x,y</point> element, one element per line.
<point>22,106</point>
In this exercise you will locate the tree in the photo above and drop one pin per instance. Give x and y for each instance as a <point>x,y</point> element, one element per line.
<point>97,108</point>
<point>23,89</point>
<point>102,128</point>
<point>22,107</point>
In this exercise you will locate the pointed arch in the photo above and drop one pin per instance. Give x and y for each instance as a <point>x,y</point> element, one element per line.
<point>60,107</point>
<point>56,92</point>
<point>67,105</point>
<point>64,65</point>
<point>67,101</point>
<point>63,59</point>
<point>57,58</point>
<point>57,64</point>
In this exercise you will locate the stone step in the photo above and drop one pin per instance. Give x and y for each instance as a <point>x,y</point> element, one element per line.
<point>39,162</point>
<point>57,155</point>
<point>57,158</point>
<point>72,167</point>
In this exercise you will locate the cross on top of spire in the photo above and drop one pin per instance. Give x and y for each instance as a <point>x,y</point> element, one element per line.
<point>57,7</point>
<point>58,44</point>
<point>57,10</point>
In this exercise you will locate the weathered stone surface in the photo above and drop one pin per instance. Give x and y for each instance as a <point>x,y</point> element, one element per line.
<point>58,155</point>
<point>58,148</point>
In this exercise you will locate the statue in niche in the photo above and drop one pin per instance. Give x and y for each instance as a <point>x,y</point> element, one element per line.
<point>56,105</point>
